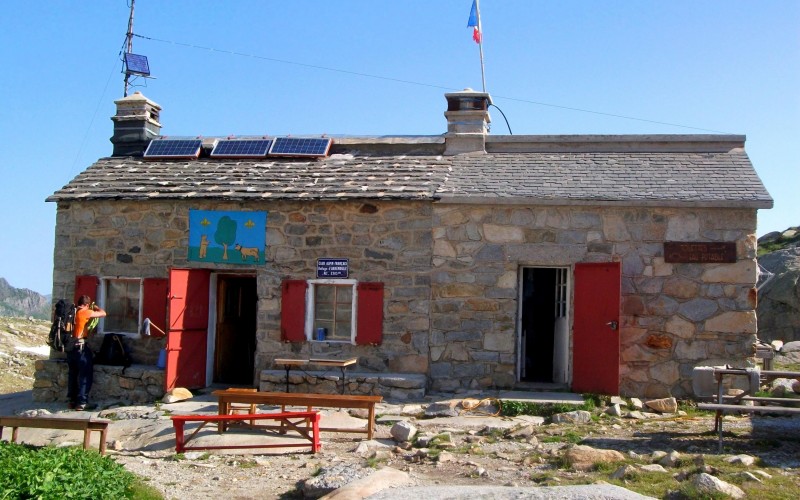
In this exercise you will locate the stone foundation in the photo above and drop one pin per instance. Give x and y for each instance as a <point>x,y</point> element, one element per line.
<point>392,386</point>
<point>134,384</point>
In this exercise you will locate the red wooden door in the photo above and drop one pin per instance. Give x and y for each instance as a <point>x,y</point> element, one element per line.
<point>188,328</point>
<point>595,339</point>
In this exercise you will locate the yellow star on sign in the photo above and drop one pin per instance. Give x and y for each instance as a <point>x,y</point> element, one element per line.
<point>205,222</point>
<point>249,224</point>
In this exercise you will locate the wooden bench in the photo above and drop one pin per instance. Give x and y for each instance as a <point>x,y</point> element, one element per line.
<point>87,425</point>
<point>226,397</point>
<point>289,419</point>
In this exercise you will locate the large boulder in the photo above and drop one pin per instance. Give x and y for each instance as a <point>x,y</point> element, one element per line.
<point>582,457</point>
<point>779,294</point>
<point>709,485</point>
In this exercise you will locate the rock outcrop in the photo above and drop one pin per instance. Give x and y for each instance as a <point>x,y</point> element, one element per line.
<point>779,294</point>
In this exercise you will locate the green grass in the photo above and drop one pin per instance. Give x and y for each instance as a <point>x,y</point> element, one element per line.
<point>71,472</point>
<point>566,437</point>
<point>778,244</point>
<point>510,408</point>
<point>660,484</point>
<point>143,491</point>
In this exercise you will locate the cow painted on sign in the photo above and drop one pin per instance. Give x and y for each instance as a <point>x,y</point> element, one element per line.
<point>247,252</point>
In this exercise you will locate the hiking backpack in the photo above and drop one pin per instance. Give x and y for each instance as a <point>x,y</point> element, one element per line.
<point>63,323</point>
<point>113,351</point>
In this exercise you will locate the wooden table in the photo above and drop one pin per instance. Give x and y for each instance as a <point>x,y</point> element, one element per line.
<point>289,363</point>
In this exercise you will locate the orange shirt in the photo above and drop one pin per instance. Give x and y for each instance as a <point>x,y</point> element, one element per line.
<point>81,318</point>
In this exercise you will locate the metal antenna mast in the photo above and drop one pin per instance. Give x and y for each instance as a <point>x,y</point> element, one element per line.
<point>129,44</point>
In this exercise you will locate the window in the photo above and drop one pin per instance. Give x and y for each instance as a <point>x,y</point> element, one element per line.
<point>121,298</point>
<point>127,301</point>
<point>331,304</point>
<point>348,310</point>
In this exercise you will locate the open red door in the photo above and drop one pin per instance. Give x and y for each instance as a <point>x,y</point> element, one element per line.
<point>595,340</point>
<point>187,337</point>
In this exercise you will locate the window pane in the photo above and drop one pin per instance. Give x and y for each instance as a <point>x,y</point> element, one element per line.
<point>324,293</point>
<point>344,294</point>
<point>122,306</point>
<point>333,310</point>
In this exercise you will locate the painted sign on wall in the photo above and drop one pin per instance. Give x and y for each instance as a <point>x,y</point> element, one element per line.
<point>699,252</point>
<point>227,237</point>
<point>333,268</point>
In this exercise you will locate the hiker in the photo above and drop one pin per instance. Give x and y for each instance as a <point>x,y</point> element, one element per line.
<point>79,356</point>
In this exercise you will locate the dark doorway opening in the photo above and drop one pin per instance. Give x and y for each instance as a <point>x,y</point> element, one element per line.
<point>543,306</point>
<point>235,345</point>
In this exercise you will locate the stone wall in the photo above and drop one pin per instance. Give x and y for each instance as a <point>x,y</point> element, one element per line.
<point>392,386</point>
<point>451,274</point>
<point>674,316</point>
<point>388,242</point>
<point>134,384</point>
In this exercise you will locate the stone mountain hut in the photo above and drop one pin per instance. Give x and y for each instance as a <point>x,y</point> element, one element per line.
<point>464,261</point>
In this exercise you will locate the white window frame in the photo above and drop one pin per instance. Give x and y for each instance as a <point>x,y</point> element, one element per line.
<point>102,298</point>
<point>310,309</point>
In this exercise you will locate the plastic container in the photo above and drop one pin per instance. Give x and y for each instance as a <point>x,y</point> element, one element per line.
<point>322,333</point>
<point>162,359</point>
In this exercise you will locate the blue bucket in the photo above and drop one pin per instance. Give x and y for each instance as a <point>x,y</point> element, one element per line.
<point>322,333</point>
<point>162,359</point>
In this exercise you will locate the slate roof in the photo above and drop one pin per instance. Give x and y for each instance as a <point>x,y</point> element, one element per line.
<point>626,177</point>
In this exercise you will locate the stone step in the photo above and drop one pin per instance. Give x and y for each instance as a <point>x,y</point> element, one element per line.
<point>392,386</point>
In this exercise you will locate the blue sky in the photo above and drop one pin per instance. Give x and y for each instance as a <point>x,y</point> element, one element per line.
<point>378,67</point>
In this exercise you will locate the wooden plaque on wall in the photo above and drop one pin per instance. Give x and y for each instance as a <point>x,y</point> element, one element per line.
<point>699,252</point>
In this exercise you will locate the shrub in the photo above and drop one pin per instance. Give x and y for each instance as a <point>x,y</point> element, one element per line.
<point>48,472</point>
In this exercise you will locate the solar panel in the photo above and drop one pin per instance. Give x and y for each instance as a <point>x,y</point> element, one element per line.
<point>134,63</point>
<point>290,146</point>
<point>241,148</point>
<point>174,148</point>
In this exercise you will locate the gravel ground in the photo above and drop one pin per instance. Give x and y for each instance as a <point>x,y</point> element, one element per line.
<point>491,461</point>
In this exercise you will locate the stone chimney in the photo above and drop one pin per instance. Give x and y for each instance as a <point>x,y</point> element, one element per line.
<point>135,125</point>
<point>467,121</point>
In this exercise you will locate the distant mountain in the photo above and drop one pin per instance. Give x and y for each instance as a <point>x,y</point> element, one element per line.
<point>21,302</point>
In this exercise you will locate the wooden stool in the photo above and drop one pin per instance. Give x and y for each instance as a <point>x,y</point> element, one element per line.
<point>246,409</point>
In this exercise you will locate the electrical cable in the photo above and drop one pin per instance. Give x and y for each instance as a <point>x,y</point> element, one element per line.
<point>421,84</point>
<point>305,65</point>
<point>504,118</point>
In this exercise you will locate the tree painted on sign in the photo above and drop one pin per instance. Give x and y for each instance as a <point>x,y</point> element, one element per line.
<point>225,234</point>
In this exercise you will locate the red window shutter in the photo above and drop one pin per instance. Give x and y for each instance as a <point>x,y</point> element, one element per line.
<point>293,311</point>
<point>154,304</point>
<point>86,285</point>
<point>369,328</point>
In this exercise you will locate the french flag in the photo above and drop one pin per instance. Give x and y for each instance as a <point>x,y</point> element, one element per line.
<point>475,22</point>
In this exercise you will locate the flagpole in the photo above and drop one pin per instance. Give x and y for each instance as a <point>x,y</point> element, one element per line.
<point>480,44</point>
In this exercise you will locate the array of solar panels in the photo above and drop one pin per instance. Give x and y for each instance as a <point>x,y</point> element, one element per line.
<point>240,148</point>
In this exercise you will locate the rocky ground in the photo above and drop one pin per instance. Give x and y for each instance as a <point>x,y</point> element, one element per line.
<point>22,342</point>
<point>437,442</point>
<point>482,457</point>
